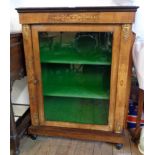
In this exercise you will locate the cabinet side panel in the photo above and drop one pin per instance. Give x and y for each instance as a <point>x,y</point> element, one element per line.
<point>129,81</point>
<point>114,75</point>
<point>26,29</point>
<point>123,77</point>
<point>37,67</point>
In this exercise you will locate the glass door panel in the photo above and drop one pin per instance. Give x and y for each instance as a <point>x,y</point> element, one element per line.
<point>75,48</point>
<point>75,69</point>
<point>76,110</point>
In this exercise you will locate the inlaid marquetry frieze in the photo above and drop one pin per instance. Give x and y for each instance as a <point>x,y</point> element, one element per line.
<point>78,17</point>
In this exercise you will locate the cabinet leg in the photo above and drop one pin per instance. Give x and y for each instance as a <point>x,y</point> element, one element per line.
<point>16,152</point>
<point>119,146</point>
<point>15,139</point>
<point>33,137</point>
<point>15,144</point>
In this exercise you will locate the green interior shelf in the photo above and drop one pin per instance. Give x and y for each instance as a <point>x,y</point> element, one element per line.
<point>75,48</point>
<point>75,91</point>
<point>72,57</point>
<point>77,110</point>
<point>65,80</point>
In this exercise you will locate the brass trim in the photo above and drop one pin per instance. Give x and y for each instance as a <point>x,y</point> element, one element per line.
<point>126,31</point>
<point>117,128</point>
<point>35,118</point>
<point>25,31</point>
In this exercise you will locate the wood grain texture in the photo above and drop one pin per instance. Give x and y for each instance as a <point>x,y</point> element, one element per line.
<point>77,125</point>
<point>84,134</point>
<point>37,68</point>
<point>73,28</point>
<point>17,71</point>
<point>133,147</point>
<point>137,131</point>
<point>62,146</point>
<point>17,59</point>
<point>140,106</point>
<point>129,81</point>
<point>84,148</point>
<point>118,22</point>
<point>77,17</point>
<point>26,29</point>
<point>127,144</point>
<point>123,77</point>
<point>114,75</point>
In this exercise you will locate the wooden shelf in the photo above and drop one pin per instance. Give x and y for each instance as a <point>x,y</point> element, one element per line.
<point>85,111</point>
<point>70,56</point>
<point>76,48</point>
<point>62,81</point>
<point>76,91</point>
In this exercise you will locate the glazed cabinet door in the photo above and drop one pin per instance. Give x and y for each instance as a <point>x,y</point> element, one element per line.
<point>75,69</point>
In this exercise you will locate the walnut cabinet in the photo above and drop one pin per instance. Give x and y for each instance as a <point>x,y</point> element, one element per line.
<point>78,63</point>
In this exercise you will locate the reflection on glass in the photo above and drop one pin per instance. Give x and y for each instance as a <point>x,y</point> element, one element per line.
<point>79,48</point>
<point>76,80</point>
<point>75,68</point>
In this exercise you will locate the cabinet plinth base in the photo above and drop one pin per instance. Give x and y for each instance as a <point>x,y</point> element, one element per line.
<point>83,134</point>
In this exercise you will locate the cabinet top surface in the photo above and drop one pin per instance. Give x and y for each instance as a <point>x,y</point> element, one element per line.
<point>77,9</point>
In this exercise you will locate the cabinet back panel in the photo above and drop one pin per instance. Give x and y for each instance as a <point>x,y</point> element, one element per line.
<point>76,110</point>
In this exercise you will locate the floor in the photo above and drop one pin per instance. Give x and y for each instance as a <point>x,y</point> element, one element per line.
<point>62,146</point>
